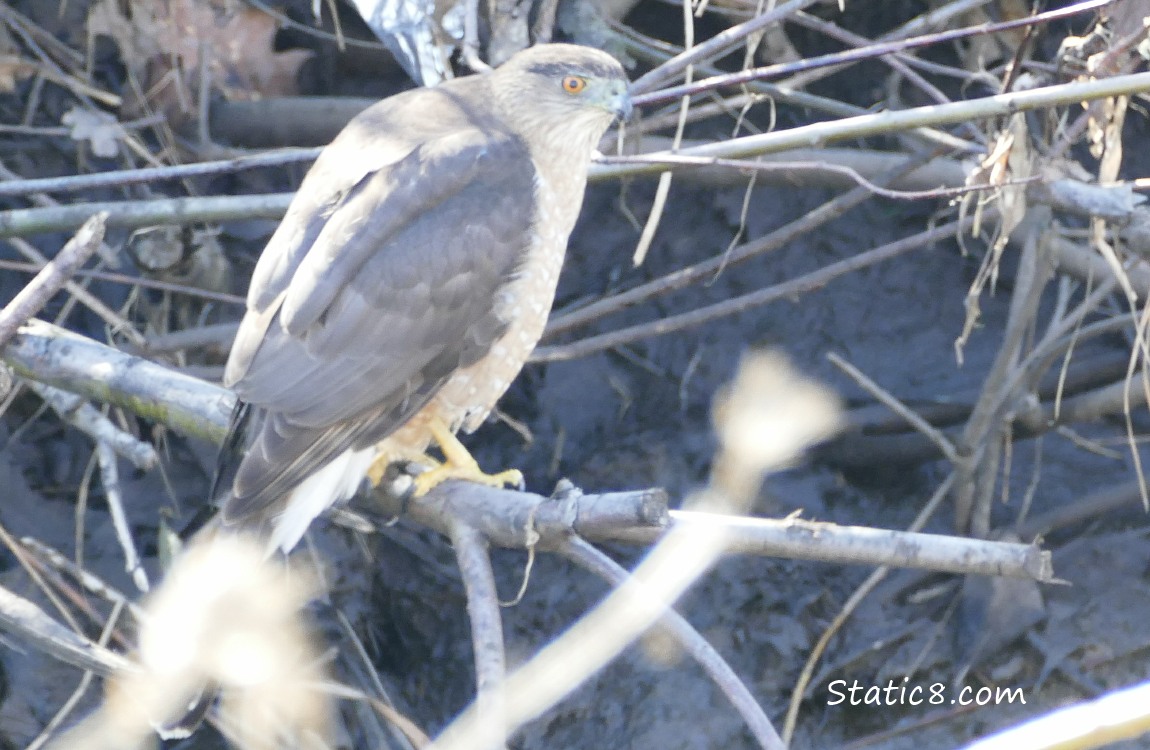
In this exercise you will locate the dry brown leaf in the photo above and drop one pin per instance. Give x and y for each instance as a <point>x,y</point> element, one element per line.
<point>12,69</point>
<point>1009,159</point>
<point>12,66</point>
<point>163,43</point>
<point>985,50</point>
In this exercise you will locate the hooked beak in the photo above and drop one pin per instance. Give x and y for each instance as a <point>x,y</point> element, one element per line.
<point>621,104</point>
<point>617,100</point>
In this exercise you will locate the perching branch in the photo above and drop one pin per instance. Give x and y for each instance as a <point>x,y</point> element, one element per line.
<point>505,518</point>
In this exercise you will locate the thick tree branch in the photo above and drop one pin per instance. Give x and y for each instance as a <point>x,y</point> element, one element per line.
<point>505,518</point>
<point>49,354</point>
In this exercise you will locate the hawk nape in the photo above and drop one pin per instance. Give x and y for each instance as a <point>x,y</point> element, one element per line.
<point>408,283</point>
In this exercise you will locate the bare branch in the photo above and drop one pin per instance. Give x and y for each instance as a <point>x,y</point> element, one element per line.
<point>877,49</point>
<point>110,476</point>
<point>786,290</point>
<point>587,556</point>
<point>52,355</point>
<point>894,121</point>
<point>116,178</point>
<point>30,624</point>
<point>52,277</point>
<point>486,621</point>
<point>26,221</point>
<point>506,518</point>
<point>86,418</point>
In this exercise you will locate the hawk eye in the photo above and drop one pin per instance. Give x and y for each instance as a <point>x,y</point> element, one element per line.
<point>574,84</point>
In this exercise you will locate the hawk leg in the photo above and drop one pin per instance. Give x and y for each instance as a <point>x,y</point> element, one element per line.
<point>457,464</point>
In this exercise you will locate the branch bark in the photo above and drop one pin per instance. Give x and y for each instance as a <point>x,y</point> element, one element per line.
<point>52,277</point>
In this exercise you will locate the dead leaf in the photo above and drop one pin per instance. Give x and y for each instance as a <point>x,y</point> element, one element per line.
<point>12,69</point>
<point>163,43</point>
<point>99,129</point>
<point>12,66</point>
<point>1009,159</point>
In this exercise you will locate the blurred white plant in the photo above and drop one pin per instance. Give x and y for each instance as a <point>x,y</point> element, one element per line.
<point>225,618</point>
<point>765,418</point>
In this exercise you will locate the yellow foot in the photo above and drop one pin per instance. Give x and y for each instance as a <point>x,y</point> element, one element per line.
<point>458,464</point>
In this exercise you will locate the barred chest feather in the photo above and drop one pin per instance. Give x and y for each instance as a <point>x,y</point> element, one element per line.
<point>525,303</point>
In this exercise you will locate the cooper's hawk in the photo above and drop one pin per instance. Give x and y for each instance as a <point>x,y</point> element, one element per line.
<point>409,281</point>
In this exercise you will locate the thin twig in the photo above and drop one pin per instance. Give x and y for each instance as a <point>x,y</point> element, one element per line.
<point>791,166</point>
<point>52,277</point>
<point>720,672</point>
<point>402,729</point>
<point>717,45</point>
<point>116,322</point>
<point>876,577</point>
<point>658,52</point>
<point>86,418</point>
<point>409,729</point>
<point>945,446</point>
<point>684,277</point>
<point>785,290</point>
<point>118,178</point>
<point>140,281</point>
<point>877,49</point>
<point>93,584</point>
<point>486,620</point>
<point>901,63</point>
<point>110,477</point>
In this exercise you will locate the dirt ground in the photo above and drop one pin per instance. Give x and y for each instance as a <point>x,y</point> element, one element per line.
<point>640,417</point>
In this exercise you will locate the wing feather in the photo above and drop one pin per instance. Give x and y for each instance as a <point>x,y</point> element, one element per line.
<point>396,292</point>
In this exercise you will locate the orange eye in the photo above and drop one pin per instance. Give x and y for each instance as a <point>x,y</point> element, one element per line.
<point>574,84</point>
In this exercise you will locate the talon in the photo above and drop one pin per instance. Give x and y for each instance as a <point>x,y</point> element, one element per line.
<point>385,467</point>
<point>429,480</point>
<point>458,464</point>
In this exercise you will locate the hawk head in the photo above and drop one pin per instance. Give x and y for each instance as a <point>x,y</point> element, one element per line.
<point>563,90</point>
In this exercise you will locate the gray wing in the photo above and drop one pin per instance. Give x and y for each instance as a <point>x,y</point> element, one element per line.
<point>393,290</point>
